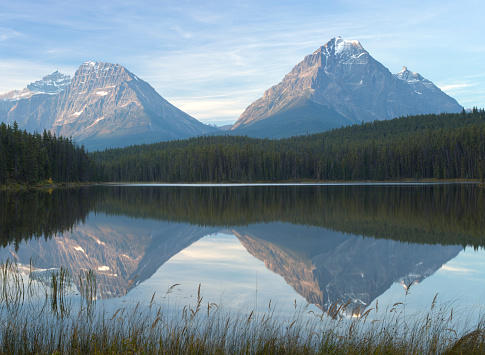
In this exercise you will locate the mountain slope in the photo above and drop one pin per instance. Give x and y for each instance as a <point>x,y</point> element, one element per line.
<point>300,117</point>
<point>344,80</point>
<point>105,105</point>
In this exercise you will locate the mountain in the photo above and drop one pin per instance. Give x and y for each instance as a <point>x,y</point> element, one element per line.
<point>340,84</point>
<point>16,105</point>
<point>105,105</point>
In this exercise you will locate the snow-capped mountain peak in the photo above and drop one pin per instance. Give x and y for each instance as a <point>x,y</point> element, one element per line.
<point>50,84</point>
<point>89,65</point>
<point>93,71</point>
<point>345,85</point>
<point>340,47</point>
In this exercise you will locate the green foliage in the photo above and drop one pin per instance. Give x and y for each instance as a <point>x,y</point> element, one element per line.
<point>445,146</point>
<point>27,158</point>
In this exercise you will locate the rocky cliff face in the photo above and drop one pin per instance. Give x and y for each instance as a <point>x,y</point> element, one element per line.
<point>21,110</point>
<point>5,107</point>
<point>342,77</point>
<point>105,105</point>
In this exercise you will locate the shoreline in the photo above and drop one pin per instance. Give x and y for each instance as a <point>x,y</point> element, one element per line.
<point>46,186</point>
<point>50,185</point>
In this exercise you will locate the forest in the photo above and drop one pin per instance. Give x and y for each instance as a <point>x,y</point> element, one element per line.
<point>444,146</point>
<point>436,146</point>
<point>27,158</point>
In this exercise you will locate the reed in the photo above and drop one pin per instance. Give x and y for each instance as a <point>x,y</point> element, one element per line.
<point>28,325</point>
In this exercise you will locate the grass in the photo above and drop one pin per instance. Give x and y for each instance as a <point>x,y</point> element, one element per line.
<point>40,316</point>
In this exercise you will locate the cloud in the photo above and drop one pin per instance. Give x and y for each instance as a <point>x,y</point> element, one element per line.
<point>206,17</point>
<point>7,33</point>
<point>452,87</point>
<point>457,269</point>
<point>468,94</point>
<point>225,110</point>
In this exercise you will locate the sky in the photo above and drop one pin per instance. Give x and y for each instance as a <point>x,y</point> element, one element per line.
<point>212,59</point>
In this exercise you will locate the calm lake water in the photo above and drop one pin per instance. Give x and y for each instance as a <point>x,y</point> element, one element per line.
<point>248,244</point>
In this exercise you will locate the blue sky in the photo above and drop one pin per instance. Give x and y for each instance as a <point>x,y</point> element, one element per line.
<point>214,58</point>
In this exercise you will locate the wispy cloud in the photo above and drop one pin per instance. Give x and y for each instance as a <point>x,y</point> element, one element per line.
<point>453,87</point>
<point>218,110</point>
<point>8,33</point>
<point>457,269</point>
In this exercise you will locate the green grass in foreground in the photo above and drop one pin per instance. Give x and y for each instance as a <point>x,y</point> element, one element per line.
<point>41,318</point>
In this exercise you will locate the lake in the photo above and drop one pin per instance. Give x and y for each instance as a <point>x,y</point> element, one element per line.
<point>294,245</point>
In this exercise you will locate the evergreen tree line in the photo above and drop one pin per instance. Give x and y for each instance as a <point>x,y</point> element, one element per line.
<point>444,146</point>
<point>32,158</point>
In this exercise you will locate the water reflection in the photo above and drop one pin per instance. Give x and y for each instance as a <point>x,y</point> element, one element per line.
<point>119,249</point>
<point>326,267</point>
<point>328,243</point>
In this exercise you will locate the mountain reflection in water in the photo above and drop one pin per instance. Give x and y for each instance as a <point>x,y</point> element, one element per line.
<point>329,243</point>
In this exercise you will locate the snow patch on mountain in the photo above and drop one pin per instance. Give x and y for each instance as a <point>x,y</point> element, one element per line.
<point>342,45</point>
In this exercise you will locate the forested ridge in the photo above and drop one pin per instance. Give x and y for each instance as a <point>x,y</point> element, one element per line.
<point>27,158</point>
<point>444,146</point>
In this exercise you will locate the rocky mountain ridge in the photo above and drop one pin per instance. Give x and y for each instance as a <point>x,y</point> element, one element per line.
<point>105,105</point>
<point>49,84</point>
<point>344,85</point>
